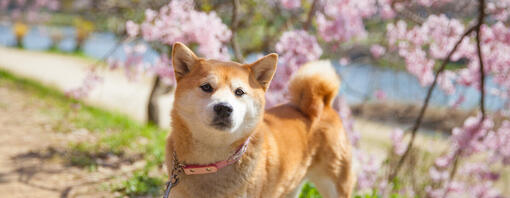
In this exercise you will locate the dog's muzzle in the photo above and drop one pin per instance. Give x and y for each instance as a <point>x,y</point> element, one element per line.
<point>223,116</point>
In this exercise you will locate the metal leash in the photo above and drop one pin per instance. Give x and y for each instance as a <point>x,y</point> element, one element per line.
<point>174,178</point>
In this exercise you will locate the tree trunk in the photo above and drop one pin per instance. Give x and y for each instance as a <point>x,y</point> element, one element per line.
<point>158,89</point>
<point>152,105</point>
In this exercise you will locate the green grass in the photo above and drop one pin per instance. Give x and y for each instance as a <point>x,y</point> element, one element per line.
<point>309,191</point>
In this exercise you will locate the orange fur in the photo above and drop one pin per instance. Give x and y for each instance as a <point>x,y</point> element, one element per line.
<point>290,143</point>
<point>314,87</point>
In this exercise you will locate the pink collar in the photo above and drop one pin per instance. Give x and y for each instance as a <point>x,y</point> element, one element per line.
<point>194,169</point>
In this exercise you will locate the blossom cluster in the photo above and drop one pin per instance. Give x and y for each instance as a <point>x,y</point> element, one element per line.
<point>476,137</point>
<point>500,9</point>
<point>342,20</point>
<point>290,4</point>
<point>438,31</point>
<point>179,21</point>
<point>295,48</point>
<point>92,79</point>
<point>423,46</point>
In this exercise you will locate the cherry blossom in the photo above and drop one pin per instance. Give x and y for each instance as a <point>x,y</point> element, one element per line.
<point>445,81</point>
<point>179,21</point>
<point>92,79</point>
<point>295,48</point>
<point>291,4</point>
<point>380,94</point>
<point>369,169</point>
<point>132,28</point>
<point>399,146</point>
<point>377,51</point>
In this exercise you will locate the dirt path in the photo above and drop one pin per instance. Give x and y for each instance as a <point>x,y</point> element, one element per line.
<point>28,164</point>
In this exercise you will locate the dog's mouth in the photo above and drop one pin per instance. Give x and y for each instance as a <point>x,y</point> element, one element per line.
<point>221,123</point>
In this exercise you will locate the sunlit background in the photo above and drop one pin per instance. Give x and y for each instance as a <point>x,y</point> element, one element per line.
<point>86,88</point>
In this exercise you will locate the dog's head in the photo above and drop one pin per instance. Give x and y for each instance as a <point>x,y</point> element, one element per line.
<point>215,97</point>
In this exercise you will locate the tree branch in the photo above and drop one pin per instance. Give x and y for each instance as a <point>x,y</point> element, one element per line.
<point>235,23</point>
<point>423,109</point>
<point>481,17</point>
<point>311,13</point>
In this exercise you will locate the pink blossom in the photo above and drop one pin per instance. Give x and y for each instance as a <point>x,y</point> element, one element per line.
<point>445,81</point>
<point>134,65</point>
<point>498,143</point>
<point>438,175</point>
<point>385,9</point>
<point>90,82</point>
<point>163,68</point>
<point>113,63</point>
<point>342,20</point>
<point>429,3</point>
<point>290,4</point>
<point>344,61</point>
<point>397,141</point>
<point>369,167</point>
<point>499,9</point>
<point>377,51</point>
<point>479,170</point>
<point>132,28</point>
<point>380,94</point>
<point>466,139</point>
<point>445,160</point>
<point>341,106</point>
<point>295,49</point>
<point>419,65</point>
<point>456,103</point>
<point>179,21</point>
<point>150,15</point>
<point>485,190</point>
<point>443,33</point>
<point>4,4</point>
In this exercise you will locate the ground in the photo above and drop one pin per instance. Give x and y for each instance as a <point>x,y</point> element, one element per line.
<point>29,165</point>
<point>40,146</point>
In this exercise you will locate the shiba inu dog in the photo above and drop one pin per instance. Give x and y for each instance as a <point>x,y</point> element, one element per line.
<point>225,144</point>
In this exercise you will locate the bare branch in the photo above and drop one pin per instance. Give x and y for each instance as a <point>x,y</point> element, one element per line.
<point>311,13</point>
<point>423,109</point>
<point>235,23</point>
<point>480,56</point>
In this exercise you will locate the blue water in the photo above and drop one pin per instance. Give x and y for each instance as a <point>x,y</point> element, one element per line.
<point>358,81</point>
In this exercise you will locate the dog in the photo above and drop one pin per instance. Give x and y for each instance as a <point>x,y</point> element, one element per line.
<point>225,144</point>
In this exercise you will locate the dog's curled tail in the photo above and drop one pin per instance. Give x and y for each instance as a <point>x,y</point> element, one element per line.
<point>314,87</point>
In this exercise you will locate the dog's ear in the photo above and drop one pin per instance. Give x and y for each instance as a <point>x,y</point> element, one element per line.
<point>183,60</point>
<point>263,69</point>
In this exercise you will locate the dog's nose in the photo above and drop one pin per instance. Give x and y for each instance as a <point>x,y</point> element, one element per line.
<point>223,109</point>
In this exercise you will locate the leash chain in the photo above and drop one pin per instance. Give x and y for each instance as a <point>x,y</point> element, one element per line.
<point>174,178</point>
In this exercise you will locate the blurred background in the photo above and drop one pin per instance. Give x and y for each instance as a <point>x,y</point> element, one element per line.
<point>86,88</point>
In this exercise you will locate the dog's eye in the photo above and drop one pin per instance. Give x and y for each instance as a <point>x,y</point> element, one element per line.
<point>239,92</point>
<point>206,87</point>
